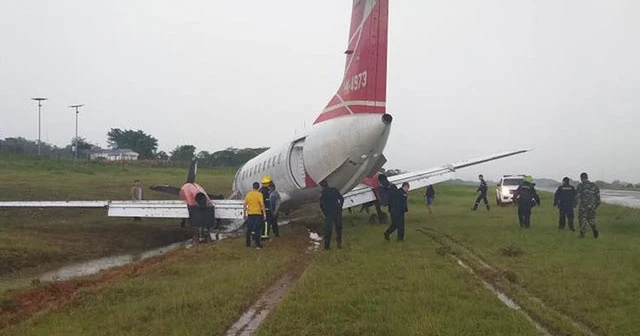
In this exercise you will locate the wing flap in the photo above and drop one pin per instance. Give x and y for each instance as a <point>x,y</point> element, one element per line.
<point>224,209</point>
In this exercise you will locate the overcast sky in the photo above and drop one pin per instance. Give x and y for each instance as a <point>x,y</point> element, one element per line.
<point>466,78</point>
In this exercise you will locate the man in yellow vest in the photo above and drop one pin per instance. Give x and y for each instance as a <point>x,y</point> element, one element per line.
<point>254,213</point>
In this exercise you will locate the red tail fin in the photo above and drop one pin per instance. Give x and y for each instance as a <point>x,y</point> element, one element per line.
<point>364,87</point>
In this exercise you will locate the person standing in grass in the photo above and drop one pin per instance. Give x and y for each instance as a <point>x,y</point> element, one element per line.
<point>430,195</point>
<point>136,194</point>
<point>565,200</point>
<point>482,189</point>
<point>397,207</point>
<point>526,197</point>
<point>588,199</point>
<point>255,214</point>
<point>331,202</point>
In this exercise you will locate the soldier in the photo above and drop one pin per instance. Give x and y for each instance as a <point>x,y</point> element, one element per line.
<point>565,200</point>
<point>588,199</point>
<point>526,197</point>
<point>482,189</point>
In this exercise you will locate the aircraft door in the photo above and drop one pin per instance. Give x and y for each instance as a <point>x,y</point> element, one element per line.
<point>296,163</point>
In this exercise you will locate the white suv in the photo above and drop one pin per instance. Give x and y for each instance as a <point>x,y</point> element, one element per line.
<point>506,187</point>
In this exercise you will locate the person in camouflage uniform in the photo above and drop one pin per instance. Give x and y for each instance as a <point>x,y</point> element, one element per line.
<point>588,199</point>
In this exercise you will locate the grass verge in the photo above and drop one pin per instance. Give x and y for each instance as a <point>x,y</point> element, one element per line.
<point>200,291</point>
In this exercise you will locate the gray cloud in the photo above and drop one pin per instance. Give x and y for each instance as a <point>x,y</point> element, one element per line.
<point>466,78</point>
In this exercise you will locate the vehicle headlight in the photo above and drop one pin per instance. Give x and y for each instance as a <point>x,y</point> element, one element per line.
<point>505,192</point>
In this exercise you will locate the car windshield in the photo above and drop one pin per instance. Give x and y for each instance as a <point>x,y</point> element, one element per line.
<point>512,182</point>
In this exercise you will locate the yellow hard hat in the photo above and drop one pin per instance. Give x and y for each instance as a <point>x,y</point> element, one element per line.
<point>266,179</point>
<point>528,179</point>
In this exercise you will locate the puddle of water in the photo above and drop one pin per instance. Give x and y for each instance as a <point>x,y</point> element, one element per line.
<point>97,265</point>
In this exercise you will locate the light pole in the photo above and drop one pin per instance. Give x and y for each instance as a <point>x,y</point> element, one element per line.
<point>77,106</point>
<point>39,99</point>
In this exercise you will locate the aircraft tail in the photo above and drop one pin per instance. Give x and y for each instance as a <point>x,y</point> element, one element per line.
<point>364,87</point>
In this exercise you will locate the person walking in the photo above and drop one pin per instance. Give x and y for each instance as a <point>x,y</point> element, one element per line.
<point>482,189</point>
<point>430,196</point>
<point>526,197</point>
<point>588,199</point>
<point>565,200</point>
<point>397,208</point>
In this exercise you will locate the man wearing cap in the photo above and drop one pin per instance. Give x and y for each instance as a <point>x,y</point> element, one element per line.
<point>565,200</point>
<point>526,197</point>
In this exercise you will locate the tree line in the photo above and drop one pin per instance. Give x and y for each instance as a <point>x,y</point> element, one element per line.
<point>136,140</point>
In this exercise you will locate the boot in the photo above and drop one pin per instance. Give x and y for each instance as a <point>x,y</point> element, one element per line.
<point>488,207</point>
<point>595,234</point>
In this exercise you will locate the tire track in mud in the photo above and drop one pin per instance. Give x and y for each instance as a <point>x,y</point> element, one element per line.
<point>490,277</point>
<point>253,317</point>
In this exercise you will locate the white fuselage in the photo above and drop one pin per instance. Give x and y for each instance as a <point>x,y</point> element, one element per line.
<point>342,150</point>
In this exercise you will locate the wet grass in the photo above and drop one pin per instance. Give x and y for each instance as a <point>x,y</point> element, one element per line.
<point>377,287</point>
<point>36,240</point>
<point>591,280</point>
<point>199,291</point>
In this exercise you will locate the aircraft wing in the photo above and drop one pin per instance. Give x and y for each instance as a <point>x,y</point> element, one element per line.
<point>363,193</point>
<point>224,209</point>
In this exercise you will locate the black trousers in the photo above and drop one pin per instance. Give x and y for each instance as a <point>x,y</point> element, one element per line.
<point>397,223</point>
<point>524,216</point>
<point>273,223</point>
<point>331,221</point>
<point>481,197</point>
<point>255,224</point>
<point>566,213</point>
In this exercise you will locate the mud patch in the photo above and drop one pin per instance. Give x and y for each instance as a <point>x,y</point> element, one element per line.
<point>23,304</point>
<point>253,317</point>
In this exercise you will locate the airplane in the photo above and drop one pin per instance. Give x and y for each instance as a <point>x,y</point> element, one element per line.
<point>344,146</point>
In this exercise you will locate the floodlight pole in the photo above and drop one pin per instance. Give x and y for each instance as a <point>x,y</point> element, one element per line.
<point>39,100</point>
<point>76,138</point>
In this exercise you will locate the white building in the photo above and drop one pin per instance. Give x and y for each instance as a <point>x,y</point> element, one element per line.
<point>114,155</point>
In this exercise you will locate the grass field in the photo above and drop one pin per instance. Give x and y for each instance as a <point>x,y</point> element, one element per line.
<point>371,286</point>
<point>34,240</point>
<point>200,291</point>
<point>378,287</point>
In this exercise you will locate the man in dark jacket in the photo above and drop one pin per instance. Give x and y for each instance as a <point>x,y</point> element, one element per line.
<point>331,205</point>
<point>565,200</point>
<point>526,197</point>
<point>482,189</point>
<point>397,208</point>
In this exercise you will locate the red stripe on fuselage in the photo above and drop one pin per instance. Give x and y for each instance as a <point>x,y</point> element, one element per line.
<point>356,109</point>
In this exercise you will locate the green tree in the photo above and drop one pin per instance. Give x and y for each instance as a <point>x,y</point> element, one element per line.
<point>138,141</point>
<point>162,155</point>
<point>183,153</point>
